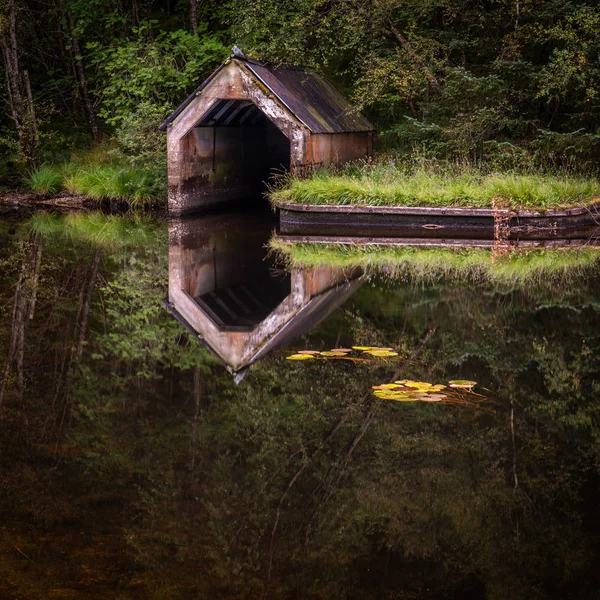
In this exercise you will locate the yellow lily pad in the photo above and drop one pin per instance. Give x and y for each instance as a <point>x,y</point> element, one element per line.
<point>333,353</point>
<point>308,352</point>
<point>300,357</point>
<point>381,353</point>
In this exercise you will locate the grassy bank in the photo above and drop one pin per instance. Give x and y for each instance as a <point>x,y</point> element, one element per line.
<point>430,264</point>
<point>99,176</point>
<point>390,184</point>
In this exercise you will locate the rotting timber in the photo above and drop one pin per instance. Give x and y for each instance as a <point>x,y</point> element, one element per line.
<point>419,225</point>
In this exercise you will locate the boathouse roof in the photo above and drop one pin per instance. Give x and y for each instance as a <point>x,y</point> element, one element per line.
<point>307,94</point>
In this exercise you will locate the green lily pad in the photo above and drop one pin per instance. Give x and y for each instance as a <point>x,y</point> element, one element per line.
<point>462,383</point>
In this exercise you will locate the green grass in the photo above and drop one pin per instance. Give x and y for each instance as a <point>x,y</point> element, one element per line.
<point>543,265</point>
<point>97,176</point>
<point>45,180</point>
<point>391,184</point>
<point>112,182</point>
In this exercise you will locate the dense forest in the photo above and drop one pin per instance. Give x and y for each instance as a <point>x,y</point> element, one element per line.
<point>512,81</point>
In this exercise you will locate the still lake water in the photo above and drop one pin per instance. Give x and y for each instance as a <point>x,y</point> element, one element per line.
<point>133,466</point>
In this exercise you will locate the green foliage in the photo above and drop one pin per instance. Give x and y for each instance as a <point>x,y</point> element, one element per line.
<point>507,84</point>
<point>140,140</point>
<point>572,72</point>
<point>155,71</point>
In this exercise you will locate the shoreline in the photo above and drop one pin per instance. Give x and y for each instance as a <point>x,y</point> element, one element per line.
<point>25,199</point>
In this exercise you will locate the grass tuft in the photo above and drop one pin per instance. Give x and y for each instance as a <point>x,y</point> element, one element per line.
<point>44,180</point>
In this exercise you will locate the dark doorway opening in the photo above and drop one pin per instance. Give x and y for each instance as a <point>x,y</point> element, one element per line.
<point>236,150</point>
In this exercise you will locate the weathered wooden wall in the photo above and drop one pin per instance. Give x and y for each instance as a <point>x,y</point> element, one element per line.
<point>336,148</point>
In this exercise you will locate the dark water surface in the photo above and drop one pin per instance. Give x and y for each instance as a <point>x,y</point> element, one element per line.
<point>133,466</point>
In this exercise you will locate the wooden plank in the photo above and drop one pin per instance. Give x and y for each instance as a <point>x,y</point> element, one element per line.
<point>438,243</point>
<point>469,224</point>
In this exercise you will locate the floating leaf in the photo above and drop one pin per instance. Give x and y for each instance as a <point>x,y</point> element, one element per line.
<point>341,349</point>
<point>434,398</point>
<point>300,357</point>
<point>382,353</point>
<point>361,348</point>
<point>308,352</point>
<point>406,390</point>
<point>419,385</point>
<point>333,353</point>
<point>462,383</point>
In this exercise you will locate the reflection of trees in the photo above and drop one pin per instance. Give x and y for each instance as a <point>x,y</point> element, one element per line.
<point>192,485</point>
<point>24,298</point>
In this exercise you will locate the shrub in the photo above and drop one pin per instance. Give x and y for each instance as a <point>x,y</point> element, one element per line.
<point>140,139</point>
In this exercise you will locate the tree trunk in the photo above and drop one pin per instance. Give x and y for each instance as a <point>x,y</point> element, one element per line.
<point>87,302</point>
<point>19,93</point>
<point>34,126</point>
<point>193,16</point>
<point>24,301</point>
<point>88,109</point>
<point>194,427</point>
<point>136,13</point>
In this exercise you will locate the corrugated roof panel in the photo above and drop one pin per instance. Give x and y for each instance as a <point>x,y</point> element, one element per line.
<point>311,98</point>
<point>308,95</point>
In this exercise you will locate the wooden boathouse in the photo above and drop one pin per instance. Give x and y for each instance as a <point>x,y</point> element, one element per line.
<point>250,121</point>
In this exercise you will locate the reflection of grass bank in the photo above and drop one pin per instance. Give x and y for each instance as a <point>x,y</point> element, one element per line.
<point>391,184</point>
<point>474,264</point>
<point>97,229</point>
<point>99,176</point>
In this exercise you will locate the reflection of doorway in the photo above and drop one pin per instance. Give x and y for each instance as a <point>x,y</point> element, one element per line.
<point>246,303</point>
<point>229,272</point>
<point>226,288</point>
<point>234,150</point>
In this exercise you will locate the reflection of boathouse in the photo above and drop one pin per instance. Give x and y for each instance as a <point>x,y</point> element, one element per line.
<point>248,121</point>
<point>223,289</point>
